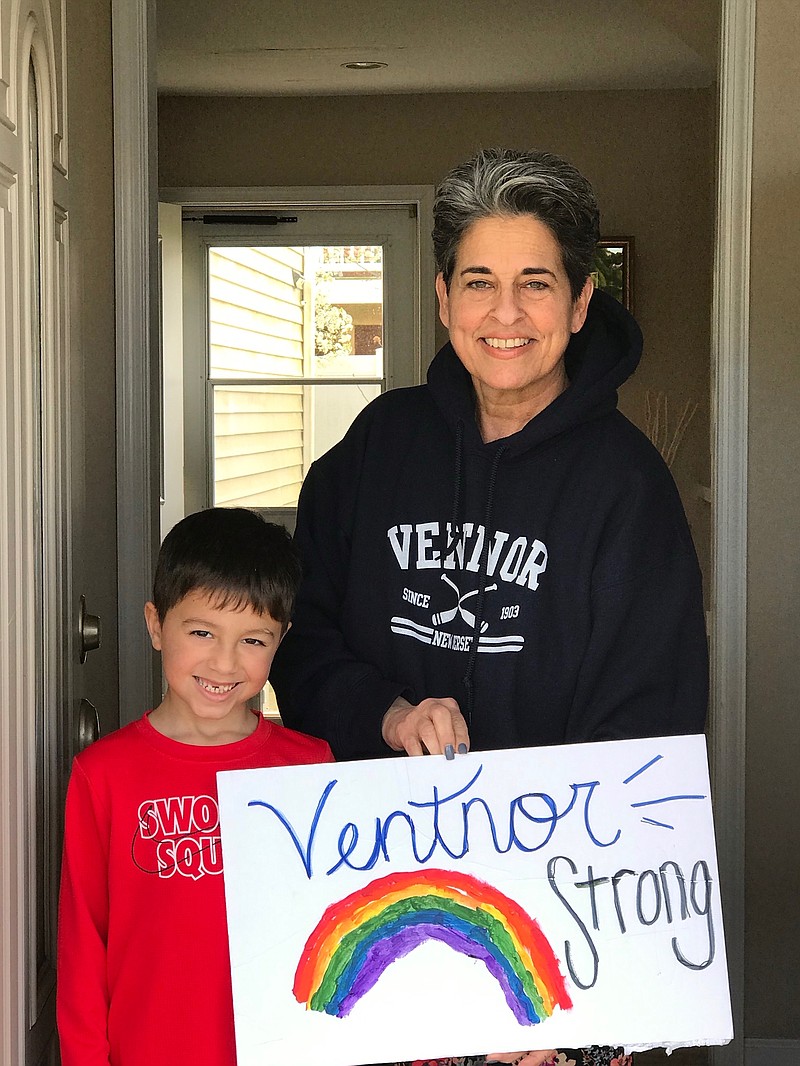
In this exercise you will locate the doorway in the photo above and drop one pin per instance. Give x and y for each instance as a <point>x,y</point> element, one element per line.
<point>729,359</point>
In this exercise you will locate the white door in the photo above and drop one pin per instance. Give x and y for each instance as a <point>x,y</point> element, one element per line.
<point>47,545</point>
<point>294,319</point>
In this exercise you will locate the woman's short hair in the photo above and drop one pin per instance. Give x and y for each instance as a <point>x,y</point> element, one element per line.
<point>235,557</point>
<point>502,181</point>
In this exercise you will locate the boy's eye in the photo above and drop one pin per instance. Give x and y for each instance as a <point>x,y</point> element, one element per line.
<point>255,641</point>
<point>200,633</point>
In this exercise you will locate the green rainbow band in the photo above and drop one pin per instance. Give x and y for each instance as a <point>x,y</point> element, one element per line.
<point>359,936</point>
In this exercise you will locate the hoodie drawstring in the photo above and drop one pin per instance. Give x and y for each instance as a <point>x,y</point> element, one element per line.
<point>454,534</point>
<point>481,599</point>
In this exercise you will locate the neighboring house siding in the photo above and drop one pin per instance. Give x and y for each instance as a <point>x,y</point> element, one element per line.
<point>256,330</point>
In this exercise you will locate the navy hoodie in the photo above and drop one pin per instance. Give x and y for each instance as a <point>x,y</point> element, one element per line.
<point>547,581</point>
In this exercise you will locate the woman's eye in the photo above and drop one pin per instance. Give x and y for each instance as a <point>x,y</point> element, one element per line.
<point>478,283</point>
<point>535,285</point>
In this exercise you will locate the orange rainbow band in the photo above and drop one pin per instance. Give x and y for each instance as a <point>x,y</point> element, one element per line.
<point>359,936</point>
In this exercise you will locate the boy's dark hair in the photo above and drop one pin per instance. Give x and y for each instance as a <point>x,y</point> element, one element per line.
<point>235,556</point>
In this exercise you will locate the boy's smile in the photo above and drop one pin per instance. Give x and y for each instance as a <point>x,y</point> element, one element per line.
<point>215,659</point>
<point>220,690</point>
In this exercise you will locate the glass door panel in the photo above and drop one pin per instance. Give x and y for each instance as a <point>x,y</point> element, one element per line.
<point>266,437</point>
<point>291,326</point>
<point>295,352</point>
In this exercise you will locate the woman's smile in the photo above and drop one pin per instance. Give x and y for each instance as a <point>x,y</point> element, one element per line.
<point>512,344</point>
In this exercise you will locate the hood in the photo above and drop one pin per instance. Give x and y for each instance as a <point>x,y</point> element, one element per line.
<point>602,355</point>
<point>599,358</point>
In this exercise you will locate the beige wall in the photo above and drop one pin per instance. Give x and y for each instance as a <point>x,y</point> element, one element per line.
<point>773,660</point>
<point>648,154</point>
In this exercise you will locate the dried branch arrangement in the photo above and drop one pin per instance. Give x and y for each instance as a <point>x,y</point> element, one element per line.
<point>657,424</point>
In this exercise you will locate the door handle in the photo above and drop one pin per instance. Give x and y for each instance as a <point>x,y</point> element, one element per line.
<point>88,631</point>
<point>88,726</point>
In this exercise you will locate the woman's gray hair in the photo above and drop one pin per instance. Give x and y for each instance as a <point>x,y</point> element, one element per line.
<point>501,181</point>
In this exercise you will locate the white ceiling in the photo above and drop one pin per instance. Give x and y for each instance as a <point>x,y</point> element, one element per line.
<point>272,48</point>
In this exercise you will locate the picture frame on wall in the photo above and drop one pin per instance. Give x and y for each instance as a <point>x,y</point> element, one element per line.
<point>612,268</point>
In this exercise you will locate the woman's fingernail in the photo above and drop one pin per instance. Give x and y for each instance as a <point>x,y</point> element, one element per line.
<point>462,749</point>
<point>448,752</point>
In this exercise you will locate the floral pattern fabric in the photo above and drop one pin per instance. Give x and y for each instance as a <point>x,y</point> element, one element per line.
<point>596,1055</point>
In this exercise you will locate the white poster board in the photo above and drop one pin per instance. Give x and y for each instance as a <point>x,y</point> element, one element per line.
<point>502,901</point>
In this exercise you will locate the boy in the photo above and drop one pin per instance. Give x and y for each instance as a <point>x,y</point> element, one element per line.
<point>143,968</point>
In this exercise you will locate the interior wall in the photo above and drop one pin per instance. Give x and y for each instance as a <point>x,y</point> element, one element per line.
<point>772,941</point>
<point>649,156</point>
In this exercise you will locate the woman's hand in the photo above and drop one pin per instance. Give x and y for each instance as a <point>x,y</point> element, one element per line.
<point>525,1058</point>
<point>436,726</point>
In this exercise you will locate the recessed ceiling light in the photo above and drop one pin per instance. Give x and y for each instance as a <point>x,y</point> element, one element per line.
<point>364,64</point>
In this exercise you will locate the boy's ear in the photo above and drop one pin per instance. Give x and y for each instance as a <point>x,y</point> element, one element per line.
<point>153,624</point>
<point>286,629</point>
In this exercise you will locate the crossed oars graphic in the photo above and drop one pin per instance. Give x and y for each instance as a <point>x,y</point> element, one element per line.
<point>447,616</point>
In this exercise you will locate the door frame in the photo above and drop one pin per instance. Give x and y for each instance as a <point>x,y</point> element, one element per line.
<point>729,407</point>
<point>133,44</point>
<point>135,140</point>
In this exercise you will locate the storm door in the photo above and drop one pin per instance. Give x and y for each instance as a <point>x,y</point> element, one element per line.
<point>294,320</point>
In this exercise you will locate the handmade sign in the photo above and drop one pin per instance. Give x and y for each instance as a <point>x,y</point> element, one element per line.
<point>502,901</point>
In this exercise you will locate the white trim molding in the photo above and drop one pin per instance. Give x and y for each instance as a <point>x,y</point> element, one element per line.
<point>136,281</point>
<point>730,405</point>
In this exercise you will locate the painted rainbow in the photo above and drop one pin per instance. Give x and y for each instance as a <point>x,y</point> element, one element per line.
<point>359,937</point>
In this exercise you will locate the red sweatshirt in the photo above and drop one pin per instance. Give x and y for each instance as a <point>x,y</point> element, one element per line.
<point>143,968</point>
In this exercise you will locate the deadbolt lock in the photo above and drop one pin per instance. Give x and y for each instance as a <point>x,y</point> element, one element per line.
<point>88,631</point>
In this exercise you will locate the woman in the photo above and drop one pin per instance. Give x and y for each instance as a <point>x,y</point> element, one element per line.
<point>499,558</point>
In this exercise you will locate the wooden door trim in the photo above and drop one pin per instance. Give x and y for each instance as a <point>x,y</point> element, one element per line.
<point>136,298</point>
<point>730,359</point>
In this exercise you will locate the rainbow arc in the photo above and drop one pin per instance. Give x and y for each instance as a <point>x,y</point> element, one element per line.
<point>359,937</point>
